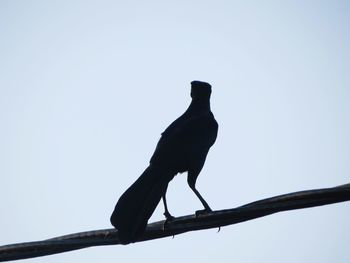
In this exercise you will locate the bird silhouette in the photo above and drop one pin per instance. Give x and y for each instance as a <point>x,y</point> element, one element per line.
<point>183,147</point>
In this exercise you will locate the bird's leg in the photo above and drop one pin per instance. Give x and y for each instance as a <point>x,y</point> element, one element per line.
<point>166,213</point>
<point>207,209</point>
<point>191,180</point>
<point>168,216</point>
<point>205,204</point>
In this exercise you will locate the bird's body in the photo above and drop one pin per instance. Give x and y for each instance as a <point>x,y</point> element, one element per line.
<point>182,147</point>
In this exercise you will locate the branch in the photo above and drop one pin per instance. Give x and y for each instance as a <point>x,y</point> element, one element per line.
<point>296,200</point>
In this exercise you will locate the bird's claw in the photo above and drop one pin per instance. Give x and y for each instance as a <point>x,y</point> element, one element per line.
<point>168,218</point>
<point>203,212</point>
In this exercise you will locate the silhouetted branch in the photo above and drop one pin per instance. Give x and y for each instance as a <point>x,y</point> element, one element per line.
<point>296,200</point>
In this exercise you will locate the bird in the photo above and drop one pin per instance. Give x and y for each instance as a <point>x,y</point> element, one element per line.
<point>182,147</point>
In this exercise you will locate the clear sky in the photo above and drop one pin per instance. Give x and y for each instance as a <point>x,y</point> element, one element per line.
<point>86,88</point>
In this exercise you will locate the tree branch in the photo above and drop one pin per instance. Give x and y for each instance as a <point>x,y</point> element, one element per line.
<point>296,200</point>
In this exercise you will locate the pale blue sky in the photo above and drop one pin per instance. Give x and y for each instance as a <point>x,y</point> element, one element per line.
<point>72,139</point>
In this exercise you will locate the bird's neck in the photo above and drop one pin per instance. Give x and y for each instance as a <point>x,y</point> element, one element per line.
<point>199,105</point>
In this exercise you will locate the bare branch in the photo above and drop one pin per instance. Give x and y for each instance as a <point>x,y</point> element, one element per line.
<point>296,200</point>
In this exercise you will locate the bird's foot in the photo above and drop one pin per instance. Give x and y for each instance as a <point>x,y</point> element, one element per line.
<point>203,212</point>
<point>168,219</point>
<point>168,216</point>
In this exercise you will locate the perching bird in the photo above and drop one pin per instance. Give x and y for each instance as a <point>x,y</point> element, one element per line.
<point>183,146</point>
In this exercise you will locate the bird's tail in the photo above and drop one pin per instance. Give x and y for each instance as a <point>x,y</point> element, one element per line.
<point>137,204</point>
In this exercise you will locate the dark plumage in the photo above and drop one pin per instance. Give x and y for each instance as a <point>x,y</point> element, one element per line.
<point>183,146</point>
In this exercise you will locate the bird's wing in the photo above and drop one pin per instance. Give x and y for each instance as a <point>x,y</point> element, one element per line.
<point>196,133</point>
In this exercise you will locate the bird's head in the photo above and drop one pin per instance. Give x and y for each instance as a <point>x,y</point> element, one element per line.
<point>200,90</point>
